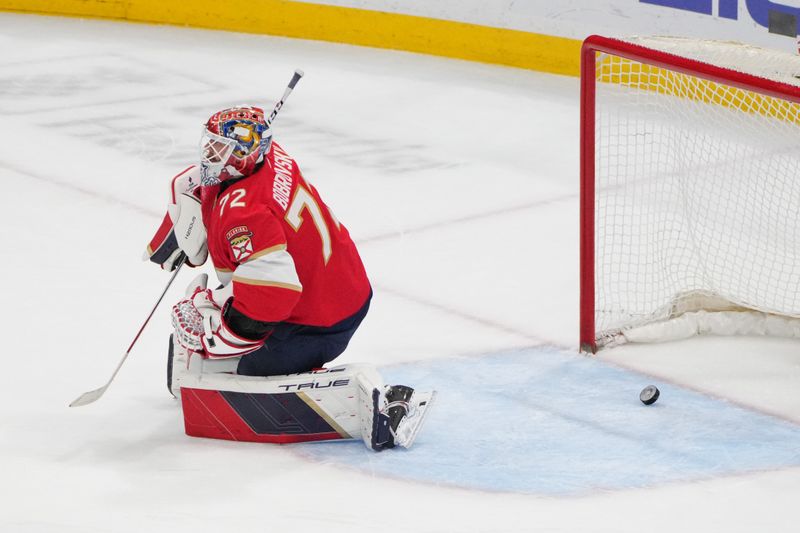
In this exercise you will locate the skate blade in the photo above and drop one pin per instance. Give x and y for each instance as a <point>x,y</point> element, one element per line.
<point>409,426</point>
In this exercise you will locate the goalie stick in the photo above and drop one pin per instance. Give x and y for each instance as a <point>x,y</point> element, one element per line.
<point>295,78</point>
<point>92,396</point>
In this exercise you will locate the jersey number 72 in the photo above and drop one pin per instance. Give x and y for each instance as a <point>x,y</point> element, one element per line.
<point>303,199</point>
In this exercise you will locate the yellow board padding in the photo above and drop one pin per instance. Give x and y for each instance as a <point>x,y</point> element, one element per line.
<point>546,53</point>
<point>620,71</point>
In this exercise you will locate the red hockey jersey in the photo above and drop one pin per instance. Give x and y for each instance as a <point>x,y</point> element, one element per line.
<point>288,257</point>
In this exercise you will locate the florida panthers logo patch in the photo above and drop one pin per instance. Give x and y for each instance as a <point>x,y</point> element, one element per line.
<point>241,244</point>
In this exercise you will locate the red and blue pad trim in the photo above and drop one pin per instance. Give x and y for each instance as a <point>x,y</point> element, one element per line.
<point>278,417</point>
<point>163,243</point>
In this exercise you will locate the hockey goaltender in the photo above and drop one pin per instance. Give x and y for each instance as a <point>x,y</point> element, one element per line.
<point>247,359</point>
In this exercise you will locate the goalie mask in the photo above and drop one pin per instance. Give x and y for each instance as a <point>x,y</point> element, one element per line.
<point>234,142</point>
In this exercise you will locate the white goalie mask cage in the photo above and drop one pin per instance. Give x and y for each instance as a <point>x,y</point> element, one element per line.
<point>215,151</point>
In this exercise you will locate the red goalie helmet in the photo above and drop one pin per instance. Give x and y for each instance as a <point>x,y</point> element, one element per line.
<point>234,142</point>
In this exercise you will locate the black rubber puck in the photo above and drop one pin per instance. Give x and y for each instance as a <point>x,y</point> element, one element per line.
<point>649,394</point>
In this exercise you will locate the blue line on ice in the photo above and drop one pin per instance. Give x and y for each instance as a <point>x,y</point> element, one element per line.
<point>544,421</point>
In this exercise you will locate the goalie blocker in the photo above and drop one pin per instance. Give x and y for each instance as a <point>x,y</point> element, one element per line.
<point>342,402</point>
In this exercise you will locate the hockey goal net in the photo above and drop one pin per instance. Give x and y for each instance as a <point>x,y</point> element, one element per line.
<point>690,190</point>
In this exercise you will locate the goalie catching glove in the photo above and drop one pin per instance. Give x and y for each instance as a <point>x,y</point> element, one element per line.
<point>200,325</point>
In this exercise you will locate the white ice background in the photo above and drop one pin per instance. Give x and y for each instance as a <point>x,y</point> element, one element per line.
<point>459,183</point>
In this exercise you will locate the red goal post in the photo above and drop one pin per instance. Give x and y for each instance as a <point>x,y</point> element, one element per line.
<point>624,155</point>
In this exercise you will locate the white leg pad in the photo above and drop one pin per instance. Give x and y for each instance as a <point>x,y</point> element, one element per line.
<point>340,395</point>
<point>186,367</point>
<point>371,400</point>
<point>350,398</point>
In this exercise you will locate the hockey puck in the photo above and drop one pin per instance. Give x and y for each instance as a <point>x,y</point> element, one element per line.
<point>649,394</point>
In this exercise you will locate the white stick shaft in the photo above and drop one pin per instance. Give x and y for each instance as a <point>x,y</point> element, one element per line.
<point>289,88</point>
<point>94,395</point>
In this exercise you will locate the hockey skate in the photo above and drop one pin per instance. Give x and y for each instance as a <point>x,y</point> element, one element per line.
<point>398,415</point>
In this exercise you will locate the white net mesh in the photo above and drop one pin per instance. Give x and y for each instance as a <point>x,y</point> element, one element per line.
<point>697,186</point>
<point>769,64</point>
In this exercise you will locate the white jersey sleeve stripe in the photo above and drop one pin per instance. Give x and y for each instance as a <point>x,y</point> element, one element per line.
<point>259,283</point>
<point>271,268</point>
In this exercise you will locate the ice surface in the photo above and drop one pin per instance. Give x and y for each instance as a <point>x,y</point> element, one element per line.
<point>548,422</point>
<point>459,182</point>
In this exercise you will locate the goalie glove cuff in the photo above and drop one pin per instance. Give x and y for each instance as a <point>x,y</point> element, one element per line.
<point>200,327</point>
<point>222,342</point>
<point>163,248</point>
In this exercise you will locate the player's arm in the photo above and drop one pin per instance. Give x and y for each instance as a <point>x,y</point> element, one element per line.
<point>266,287</point>
<point>264,290</point>
<point>182,228</point>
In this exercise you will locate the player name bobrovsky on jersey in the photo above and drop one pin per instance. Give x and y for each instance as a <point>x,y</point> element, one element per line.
<point>282,185</point>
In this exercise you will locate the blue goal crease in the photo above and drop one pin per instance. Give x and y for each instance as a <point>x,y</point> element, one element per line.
<point>548,422</point>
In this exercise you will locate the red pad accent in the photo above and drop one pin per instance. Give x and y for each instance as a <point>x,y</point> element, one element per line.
<point>206,413</point>
<point>161,235</point>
